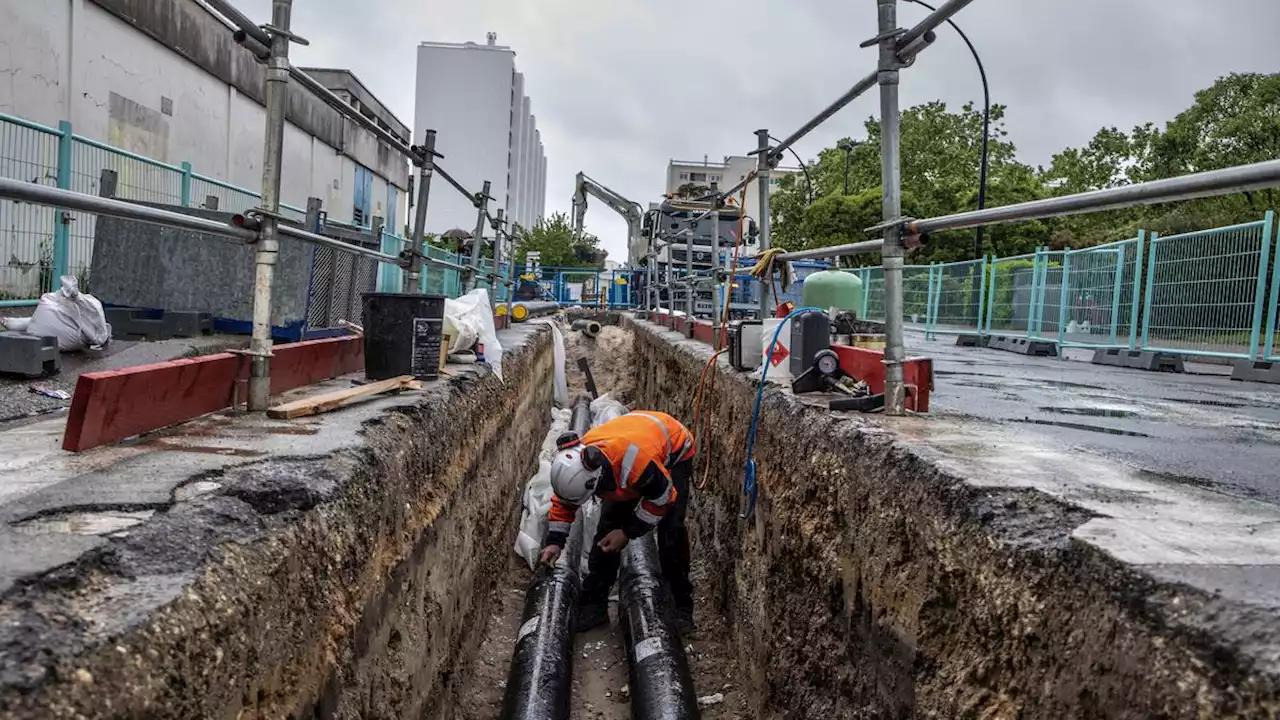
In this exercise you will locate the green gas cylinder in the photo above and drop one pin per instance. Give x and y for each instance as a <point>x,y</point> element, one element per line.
<point>829,289</point>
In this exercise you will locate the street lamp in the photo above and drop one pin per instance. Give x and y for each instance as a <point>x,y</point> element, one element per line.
<point>847,146</point>
<point>986,129</point>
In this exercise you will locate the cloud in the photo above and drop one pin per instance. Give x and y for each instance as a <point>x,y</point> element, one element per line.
<point>620,87</point>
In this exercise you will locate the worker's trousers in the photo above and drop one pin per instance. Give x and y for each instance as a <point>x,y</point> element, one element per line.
<point>673,545</point>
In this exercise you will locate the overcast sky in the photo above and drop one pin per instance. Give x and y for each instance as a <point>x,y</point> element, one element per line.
<point>621,86</point>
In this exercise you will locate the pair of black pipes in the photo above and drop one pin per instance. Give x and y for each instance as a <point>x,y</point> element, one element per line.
<point>539,683</point>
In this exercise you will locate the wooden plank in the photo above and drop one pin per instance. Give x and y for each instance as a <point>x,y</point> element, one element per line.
<point>331,400</point>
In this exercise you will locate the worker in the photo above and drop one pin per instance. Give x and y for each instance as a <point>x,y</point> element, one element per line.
<point>639,465</point>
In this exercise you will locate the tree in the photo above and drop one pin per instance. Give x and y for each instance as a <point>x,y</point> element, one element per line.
<point>553,238</point>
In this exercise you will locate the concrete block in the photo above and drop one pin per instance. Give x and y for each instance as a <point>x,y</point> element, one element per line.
<point>1023,346</point>
<point>972,340</point>
<point>1262,371</point>
<point>132,323</point>
<point>31,355</point>
<point>1139,360</point>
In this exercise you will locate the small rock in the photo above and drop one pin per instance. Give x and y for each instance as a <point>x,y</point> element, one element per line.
<point>626,690</point>
<point>709,700</point>
<point>84,677</point>
<point>608,693</point>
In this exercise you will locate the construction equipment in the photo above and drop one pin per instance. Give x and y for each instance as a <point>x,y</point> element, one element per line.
<point>637,243</point>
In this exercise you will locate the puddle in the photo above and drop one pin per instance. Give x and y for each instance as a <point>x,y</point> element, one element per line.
<point>1091,411</point>
<point>1063,384</point>
<point>108,522</point>
<point>1082,426</point>
<point>195,489</point>
<point>294,430</point>
<point>207,449</point>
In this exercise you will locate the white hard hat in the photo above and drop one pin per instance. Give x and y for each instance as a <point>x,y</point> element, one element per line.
<point>571,477</point>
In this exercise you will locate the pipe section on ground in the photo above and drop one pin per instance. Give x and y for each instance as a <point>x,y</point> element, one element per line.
<point>661,685</point>
<point>540,679</point>
<point>522,311</point>
<point>590,328</point>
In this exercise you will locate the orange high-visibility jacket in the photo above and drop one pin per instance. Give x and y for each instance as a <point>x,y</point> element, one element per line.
<point>640,446</point>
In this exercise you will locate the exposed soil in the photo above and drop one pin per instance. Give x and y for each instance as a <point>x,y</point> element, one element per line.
<point>610,356</point>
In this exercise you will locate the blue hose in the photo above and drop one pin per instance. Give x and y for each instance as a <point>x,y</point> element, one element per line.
<point>749,487</point>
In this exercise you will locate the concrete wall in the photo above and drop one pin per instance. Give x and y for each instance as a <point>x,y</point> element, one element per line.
<point>165,80</point>
<point>340,567</point>
<point>876,579</point>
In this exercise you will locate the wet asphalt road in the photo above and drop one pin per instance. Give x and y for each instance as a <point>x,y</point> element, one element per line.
<point>1199,428</point>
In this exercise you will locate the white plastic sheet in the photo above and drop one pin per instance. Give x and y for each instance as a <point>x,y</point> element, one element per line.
<point>559,356</point>
<point>605,408</point>
<point>537,493</point>
<point>76,319</point>
<point>469,320</point>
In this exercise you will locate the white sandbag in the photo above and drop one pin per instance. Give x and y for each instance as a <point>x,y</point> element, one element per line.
<point>605,408</point>
<point>537,494</point>
<point>76,319</point>
<point>468,320</point>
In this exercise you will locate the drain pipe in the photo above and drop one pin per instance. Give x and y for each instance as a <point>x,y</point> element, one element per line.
<point>661,685</point>
<point>541,676</point>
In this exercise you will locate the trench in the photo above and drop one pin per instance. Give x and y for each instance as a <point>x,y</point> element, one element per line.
<point>600,685</point>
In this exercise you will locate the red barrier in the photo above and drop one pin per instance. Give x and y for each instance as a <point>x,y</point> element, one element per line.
<point>115,404</point>
<point>704,331</point>
<point>868,365</point>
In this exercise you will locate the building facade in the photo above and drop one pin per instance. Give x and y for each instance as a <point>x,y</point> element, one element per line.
<point>166,82</point>
<point>476,101</point>
<point>724,175</point>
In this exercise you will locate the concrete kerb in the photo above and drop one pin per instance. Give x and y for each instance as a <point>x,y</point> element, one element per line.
<point>298,565</point>
<point>947,569</point>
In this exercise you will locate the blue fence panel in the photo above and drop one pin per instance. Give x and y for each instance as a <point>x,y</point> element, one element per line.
<point>1206,290</point>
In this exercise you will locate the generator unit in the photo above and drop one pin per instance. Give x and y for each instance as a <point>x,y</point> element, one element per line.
<point>746,344</point>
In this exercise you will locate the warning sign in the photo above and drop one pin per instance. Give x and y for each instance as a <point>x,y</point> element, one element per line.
<point>779,355</point>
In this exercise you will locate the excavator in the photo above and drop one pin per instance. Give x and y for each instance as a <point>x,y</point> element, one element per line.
<point>637,244</point>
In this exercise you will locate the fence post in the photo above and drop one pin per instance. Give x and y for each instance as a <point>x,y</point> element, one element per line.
<point>1151,288</point>
<point>866,292</point>
<point>1260,293</point>
<point>1269,348</point>
<point>62,218</point>
<point>1137,290</point>
<point>1033,303</point>
<point>1064,294</point>
<point>982,292</point>
<point>1115,296</point>
<point>991,292</point>
<point>186,184</point>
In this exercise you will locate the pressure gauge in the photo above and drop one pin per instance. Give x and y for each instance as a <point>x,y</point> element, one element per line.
<point>828,362</point>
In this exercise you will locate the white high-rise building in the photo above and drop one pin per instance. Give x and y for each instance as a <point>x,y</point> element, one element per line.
<point>474,99</point>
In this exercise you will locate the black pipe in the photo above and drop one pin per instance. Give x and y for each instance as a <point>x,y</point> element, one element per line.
<point>541,674</point>
<point>661,685</point>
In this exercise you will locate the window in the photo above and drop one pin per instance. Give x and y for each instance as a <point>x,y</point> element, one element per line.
<point>362,210</point>
<point>684,176</point>
<point>698,177</point>
<point>713,178</point>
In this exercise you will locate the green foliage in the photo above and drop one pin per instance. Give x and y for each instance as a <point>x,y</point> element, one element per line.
<point>554,239</point>
<point>1235,121</point>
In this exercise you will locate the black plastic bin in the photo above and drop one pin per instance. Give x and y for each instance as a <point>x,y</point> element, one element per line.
<point>402,335</point>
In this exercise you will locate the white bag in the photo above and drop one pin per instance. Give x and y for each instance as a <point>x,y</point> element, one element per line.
<point>469,320</point>
<point>76,319</point>
<point>605,408</point>
<point>537,494</point>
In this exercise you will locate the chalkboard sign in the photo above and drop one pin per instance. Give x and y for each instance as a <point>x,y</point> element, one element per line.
<point>427,336</point>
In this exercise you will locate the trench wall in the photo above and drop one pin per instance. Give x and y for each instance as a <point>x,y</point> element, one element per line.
<point>348,583</point>
<point>870,583</point>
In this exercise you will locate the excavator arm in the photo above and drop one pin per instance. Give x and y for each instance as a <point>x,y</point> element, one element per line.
<point>637,244</point>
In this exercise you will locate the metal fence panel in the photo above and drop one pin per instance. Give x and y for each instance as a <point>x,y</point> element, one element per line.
<point>28,152</point>
<point>1011,294</point>
<point>1206,290</point>
<point>959,291</point>
<point>1097,307</point>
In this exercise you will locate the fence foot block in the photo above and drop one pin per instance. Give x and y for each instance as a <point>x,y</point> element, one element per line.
<point>1023,346</point>
<point>972,340</point>
<point>137,324</point>
<point>1256,371</point>
<point>1139,360</point>
<point>30,355</point>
